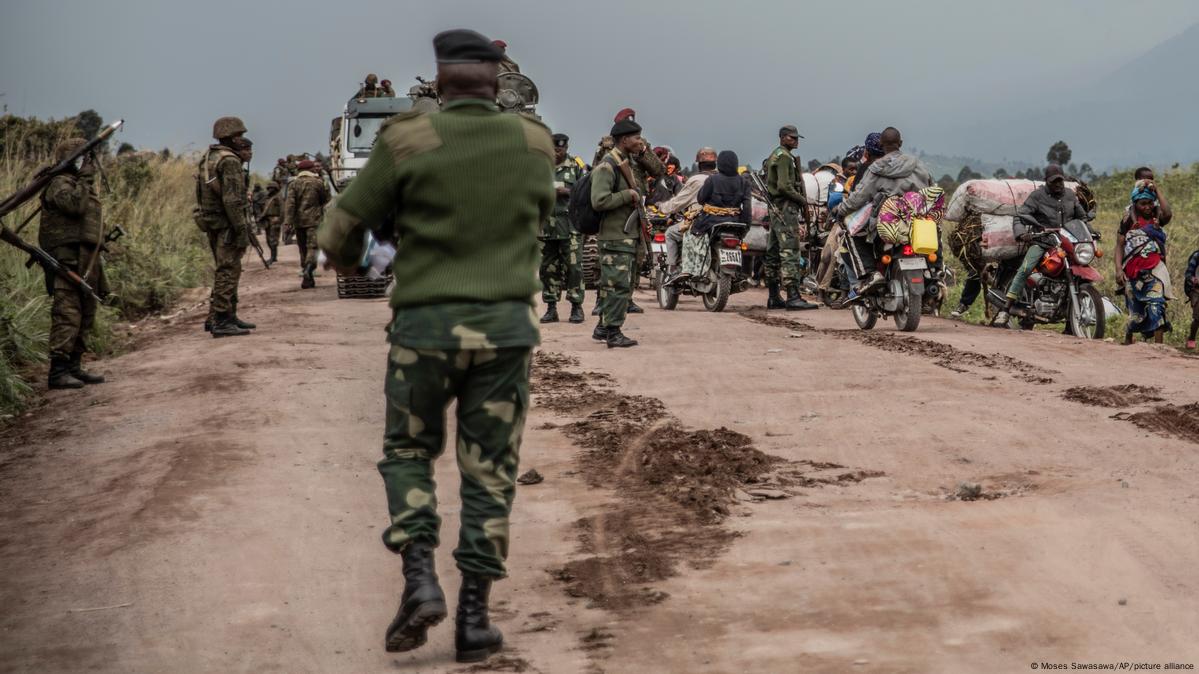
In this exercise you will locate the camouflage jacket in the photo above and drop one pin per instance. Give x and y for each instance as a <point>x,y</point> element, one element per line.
<point>272,210</point>
<point>221,192</point>
<point>306,199</point>
<point>70,213</point>
<point>610,196</point>
<point>566,175</point>
<point>782,180</point>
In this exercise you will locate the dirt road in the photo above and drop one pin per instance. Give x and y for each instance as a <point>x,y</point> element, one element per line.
<point>743,492</point>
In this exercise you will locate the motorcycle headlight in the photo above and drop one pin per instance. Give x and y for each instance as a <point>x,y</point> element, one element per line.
<point>1084,253</point>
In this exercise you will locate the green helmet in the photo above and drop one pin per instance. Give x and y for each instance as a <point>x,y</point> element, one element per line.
<point>372,79</point>
<point>67,147</point>
<point>227,127</point>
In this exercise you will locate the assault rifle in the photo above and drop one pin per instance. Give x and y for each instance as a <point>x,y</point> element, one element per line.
<point>248,210</point>
<point>40,180</point>
<point>627,172</point>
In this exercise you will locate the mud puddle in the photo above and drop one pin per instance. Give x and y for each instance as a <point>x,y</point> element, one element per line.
<point>1128,395</point>
<point>942,355</point>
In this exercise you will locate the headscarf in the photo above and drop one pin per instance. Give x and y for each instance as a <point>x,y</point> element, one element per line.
<point>1142,191</point>
<point>874,144</point>
<point>855,153</point>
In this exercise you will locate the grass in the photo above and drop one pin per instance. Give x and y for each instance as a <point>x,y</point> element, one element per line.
<point>1181,187</point>
<point>162,255</point>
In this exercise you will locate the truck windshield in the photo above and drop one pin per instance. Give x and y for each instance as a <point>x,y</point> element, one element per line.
<point>362,132</point>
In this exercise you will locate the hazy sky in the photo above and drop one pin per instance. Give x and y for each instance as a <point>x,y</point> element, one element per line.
<point>725,74</point>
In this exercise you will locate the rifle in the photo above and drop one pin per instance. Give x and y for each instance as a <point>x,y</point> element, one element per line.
<point>248,211</point>
<point>775,214</point>
<point>627,172</point>
<point>40,180</point>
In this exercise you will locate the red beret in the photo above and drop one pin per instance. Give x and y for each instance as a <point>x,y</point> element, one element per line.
<point>624,114</point>
<point>306,164</point>
<point>500,43</point>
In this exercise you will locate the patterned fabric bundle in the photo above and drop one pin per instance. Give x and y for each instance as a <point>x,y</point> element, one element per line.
<point>696,254</point>
<point>896,214</point>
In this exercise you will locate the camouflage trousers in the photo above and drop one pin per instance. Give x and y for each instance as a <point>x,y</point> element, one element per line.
<point>306,240</point>
<point>782,263</point>
<point>272,232</point>
<point>72,311</point>
<point>562,269</point>
<point>227,258</point>
<point>492,390</point>
<point>618,265</point>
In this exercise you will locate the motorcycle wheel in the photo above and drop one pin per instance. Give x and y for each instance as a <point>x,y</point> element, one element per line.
<point>1086,319</point>
<point>668,299</point>
<point>907,319</point>
<point>718,297</point>
<point>864,316</point>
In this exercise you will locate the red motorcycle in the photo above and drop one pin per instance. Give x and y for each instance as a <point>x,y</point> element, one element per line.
<point>1061,288</point>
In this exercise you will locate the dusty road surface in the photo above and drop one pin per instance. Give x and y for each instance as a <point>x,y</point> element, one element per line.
<point>744,492</point>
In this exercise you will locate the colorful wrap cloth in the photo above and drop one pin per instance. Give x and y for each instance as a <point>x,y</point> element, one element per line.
<point>1146,299</point>
<point>896,214</point>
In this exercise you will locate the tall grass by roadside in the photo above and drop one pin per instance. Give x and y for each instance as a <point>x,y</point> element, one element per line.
<point>162,255</point>
<point>1181,187</point>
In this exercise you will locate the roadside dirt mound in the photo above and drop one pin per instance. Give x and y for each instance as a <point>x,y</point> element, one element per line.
<point>942,355</point>
<point>1180,421</point>
<point>1128,395</point>
<point>562,390</point>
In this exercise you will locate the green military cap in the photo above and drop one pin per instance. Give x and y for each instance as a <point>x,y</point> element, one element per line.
<point>561,140</point>
<point>465,46</point>
<point>789,130</point>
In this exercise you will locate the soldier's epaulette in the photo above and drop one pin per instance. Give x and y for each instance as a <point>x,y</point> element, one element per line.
<point>537,135</point>
<point>409,133</point>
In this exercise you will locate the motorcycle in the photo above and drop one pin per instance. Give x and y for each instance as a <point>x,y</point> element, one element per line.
<point>902,296</point>
<point>725,273</point>
<point>1062,287</point>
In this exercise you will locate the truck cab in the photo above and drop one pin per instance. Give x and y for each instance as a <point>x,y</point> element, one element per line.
<point>352,135</point>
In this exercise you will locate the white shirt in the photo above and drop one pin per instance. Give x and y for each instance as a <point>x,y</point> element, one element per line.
<point>686,196</point>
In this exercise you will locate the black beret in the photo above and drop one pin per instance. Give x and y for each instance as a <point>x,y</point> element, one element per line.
<point>465,46</point>
<point>625,127</point>
<point>561,140</point>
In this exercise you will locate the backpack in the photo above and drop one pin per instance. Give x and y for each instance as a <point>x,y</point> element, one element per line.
<point>585,219</point>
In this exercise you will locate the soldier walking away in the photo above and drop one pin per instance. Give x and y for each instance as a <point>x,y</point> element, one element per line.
<point>782,263</point>
<point>221,214</point>
<point>71,232</point>
<point>561,245</point>
<point>614,195</point>
<point>466,189</point>
<point>306,199</point>
<point>258,202</point>
<point>272,219</point>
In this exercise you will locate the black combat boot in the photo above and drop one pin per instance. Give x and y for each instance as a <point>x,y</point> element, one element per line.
<point>309,281</point>
<point>796,302</point>
<point>208,323</point>
<point>81,374</point>
<point>634,309</point>
<point>576,313</point>
<point>60,374</point>
<point>774,300</point>
<point>551,313</point>
<point>617,340</point>
<point>422,605</point>
<point>475,637</point>
<point>600,334</point>
<point>596,310</point>
<point>244,325</point>
<point>274,253</point>
<point>223,326</point>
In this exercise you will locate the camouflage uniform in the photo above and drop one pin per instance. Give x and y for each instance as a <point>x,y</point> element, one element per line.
<point>644,165</point>
<point>561,245</point>
<point>782,261</point>
<point>221,213</point>
<point>272,218</point>
<point>617,250</point>
<point>463,325</point>
<point>70,231</point>
<point>306,199</point>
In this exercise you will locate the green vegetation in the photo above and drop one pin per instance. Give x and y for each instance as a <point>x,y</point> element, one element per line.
<point>1181,187</point>
<point>149,194</point>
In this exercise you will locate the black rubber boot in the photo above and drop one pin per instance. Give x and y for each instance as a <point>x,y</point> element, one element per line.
<point>60,374</point>
<point>82,375</point>
<point>309,281</point>
<point>422,605</point>
<point>475,637</point>
<point>576,313</point>
<point>634,309</point>
<point>208,324</point>
<point>796,302</point>
<point>600,334</point>
<point>617,339</point>
<point>774,299</point>
<point>244,325</point>
<point>223,326</point>
<point>274,254</point>
<point>551,313</point>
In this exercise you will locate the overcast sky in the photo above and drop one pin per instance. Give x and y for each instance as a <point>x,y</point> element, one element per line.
<point>698,72</point>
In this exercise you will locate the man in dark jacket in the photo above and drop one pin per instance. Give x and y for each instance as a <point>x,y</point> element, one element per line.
<point>1052,205</point>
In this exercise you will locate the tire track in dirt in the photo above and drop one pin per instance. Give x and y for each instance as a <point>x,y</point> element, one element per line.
<point>939,354</point>
<point>1179,421</point>
<point>675,486</point>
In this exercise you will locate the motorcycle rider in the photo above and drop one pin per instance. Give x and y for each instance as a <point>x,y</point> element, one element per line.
<point>724,197</point>
<point>705,159</point>
<point>1052,205</point>
<point>891,174</point>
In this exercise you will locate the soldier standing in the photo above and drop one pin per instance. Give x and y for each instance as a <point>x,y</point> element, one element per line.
<point>272,219</point>
<point>561,245</point>
<point>306,199</point>
<point>71,232</point>
<point>369,88</point>
<point>466,189</point>
<point>786,193</point>
<point>221,213</point>
<point>613,195</point>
